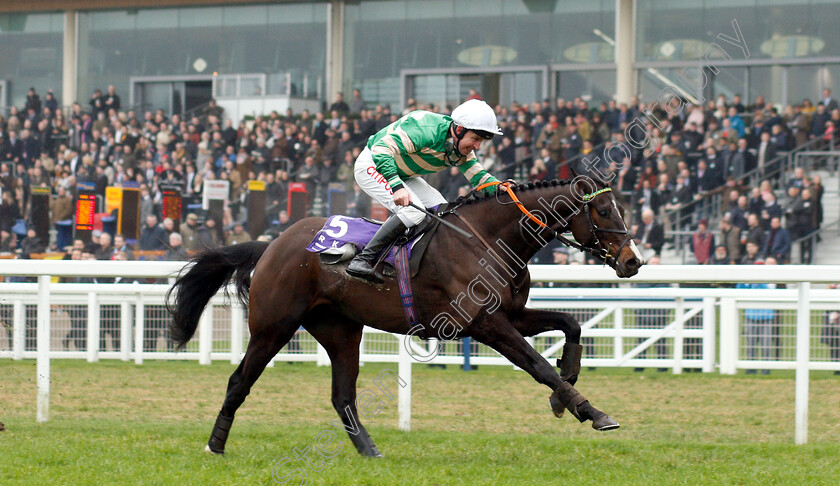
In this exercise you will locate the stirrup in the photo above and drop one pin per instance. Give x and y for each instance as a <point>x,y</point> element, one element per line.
<point>368,274</point>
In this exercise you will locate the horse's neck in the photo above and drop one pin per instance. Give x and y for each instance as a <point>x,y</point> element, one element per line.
<point>508,231</point>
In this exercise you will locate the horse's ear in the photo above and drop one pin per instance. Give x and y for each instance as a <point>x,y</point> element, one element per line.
<point>595,168</point>
<point>578,167</point>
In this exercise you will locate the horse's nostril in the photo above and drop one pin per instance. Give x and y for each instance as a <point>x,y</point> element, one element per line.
<point>632,263</point>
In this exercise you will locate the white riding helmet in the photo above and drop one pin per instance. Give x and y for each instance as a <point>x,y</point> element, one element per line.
<point>478,116</point>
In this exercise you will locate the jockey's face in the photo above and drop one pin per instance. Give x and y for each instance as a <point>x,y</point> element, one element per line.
<point>470,142</point>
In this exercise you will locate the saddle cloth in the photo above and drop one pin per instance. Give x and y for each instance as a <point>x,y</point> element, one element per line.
<point>342,237</point>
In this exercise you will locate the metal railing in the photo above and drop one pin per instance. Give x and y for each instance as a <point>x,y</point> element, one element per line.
<point>679,325</point>
<point>710,201</point>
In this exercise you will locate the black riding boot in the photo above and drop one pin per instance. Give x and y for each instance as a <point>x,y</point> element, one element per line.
<point>362,264</point>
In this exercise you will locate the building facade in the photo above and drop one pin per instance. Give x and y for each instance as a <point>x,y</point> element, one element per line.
<point>172,54</point>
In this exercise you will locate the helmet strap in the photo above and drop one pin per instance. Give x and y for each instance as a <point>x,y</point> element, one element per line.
<point>453,155</point>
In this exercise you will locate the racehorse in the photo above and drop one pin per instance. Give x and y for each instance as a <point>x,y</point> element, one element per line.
<point>291,287</point>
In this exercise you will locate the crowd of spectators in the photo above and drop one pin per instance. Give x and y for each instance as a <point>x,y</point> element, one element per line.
<point>687,154</point>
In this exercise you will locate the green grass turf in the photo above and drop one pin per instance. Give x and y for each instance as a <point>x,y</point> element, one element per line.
<point>117,423</point>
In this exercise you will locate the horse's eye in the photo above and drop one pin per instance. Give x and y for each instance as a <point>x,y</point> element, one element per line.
<point>604,213</point>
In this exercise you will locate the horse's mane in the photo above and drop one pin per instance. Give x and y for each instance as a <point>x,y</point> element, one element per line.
<point>481,196</point>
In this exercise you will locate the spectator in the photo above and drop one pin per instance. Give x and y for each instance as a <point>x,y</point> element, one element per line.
<point>648,198</point>
<point>105,250</point>
<point>112,100</point>
<point>742,160</point>
<point>77,313</point>
<point>189,232</point>
<point>169,226</point>
<point>31,243</point>
<point>679,202</point>
<point>358,203</point>
<point>777,244</point>
<point>651,236</point>
<point>720,256</point>
<point>573,141</point>
<point>803,214</point>
<point>818,122</point>
<point>357,105</point>
<point>153,236</point>
<point>209,234</point>
<point>97,102</point>
<point>283,223</point>
<point>702,242</point>
<point>33,101</point>
<point>736,121</point>
<point>238,235</point>
<point>339,105</point>
<point>50,101</point>
<point>759,325</point>
<point>62,206</point>
<point>176,251</point>
<point>831,333</point>
<point>828,102</point>
<point>766,154</point>
<point>770,209</point>
<point>147,204</point>
<point>121,249</point>
<point>752,254</point>
<point>738,215</point>
<point>730,239</point>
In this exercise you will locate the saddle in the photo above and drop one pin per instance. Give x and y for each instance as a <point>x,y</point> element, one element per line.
<point>341,239</point>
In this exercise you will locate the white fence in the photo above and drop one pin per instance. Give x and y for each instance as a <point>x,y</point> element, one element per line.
<point>661,327</point>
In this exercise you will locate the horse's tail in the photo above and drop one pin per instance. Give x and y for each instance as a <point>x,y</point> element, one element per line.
<point>211,269</point>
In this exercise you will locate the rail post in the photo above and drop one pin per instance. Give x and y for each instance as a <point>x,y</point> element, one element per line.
<point>43,340</point>
<point>92,328</point>
<point>803,336</point>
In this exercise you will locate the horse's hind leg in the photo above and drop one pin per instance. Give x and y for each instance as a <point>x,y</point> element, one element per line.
<point>341,337</point>
<point>261,348</point>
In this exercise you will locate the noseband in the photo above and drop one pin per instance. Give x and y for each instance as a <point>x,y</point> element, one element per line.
<point>594,230</point>
<point>597,250</point>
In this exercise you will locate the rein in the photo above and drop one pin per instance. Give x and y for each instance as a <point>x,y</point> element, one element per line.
<point>596,250</point>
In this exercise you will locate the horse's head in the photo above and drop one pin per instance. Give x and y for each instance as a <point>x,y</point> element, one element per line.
<point>600,227</point>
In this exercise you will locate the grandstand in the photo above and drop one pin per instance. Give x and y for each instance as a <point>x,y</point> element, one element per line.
<point>84,108</point>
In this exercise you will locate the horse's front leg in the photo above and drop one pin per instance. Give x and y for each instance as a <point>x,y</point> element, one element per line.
<point>502,336</point>
<point>531,322</point>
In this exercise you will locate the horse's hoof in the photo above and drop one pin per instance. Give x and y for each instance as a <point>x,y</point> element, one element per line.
<point>208,450</point>
<point>557,407</point>
<point>372,452</point>
<point>604,422</point>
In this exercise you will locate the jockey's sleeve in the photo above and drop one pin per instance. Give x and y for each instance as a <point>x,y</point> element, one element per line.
<point>476,174</point>
<point>385,152</point>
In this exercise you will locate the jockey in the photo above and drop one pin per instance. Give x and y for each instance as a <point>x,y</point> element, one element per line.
<point>420,142</point>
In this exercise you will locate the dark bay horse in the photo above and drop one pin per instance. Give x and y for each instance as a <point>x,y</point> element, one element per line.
<point>291,287</point>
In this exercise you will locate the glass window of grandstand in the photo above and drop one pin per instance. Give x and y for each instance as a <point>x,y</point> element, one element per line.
<point>804,82</point>
<point>767,82</point>
<point>594,87</point>
<point>660,84</point>
<point>727,82</point>
<point>681,30</point>
<point>30,56</point>
<point>448,90</point>
<point>746,31</point>
<point>275,49</point>
<point>493,45</point>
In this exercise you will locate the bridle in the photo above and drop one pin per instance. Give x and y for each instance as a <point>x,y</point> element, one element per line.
<point>598,249</point>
